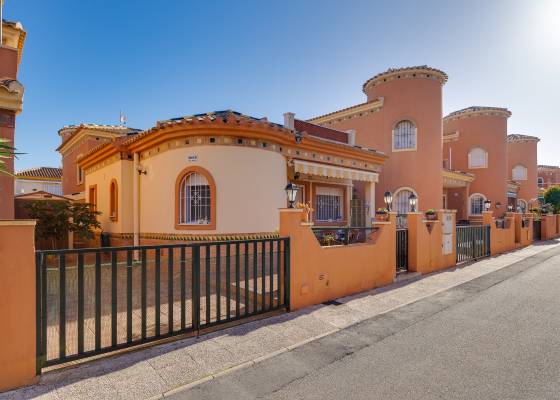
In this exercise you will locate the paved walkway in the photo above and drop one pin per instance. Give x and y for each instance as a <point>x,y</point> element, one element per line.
<point>161,370</point>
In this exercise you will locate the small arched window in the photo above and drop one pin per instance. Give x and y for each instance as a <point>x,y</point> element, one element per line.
<point>522,205</point>
<point>196,193</point>
<point>401,201</point>
<point>519,173</point>
<point>113,201</point>
<point>477,204</point>
<point>404,136</point>
<point>540,181</point>
<point>478,158</point>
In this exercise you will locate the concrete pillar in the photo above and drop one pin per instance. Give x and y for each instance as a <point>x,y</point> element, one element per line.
<point>17,304</point>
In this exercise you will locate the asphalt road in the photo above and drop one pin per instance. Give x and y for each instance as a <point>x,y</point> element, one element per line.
<point>496,337</point>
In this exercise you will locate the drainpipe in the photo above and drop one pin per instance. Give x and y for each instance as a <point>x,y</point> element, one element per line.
<point>136,200</point>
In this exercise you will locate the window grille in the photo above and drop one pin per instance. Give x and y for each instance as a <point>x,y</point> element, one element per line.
<point>519,173</point>
<point>478,158</point>
<point>477,204</point>
<point>194,200</point>
<point>329,204</point>
<point>401,202</point>
<point>404,136</point>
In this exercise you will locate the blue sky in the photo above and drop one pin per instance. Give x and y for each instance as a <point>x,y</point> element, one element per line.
<point>84,61</point>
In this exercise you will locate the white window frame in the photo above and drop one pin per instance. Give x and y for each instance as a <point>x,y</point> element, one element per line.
<point>185,201</point>
<point>414,132</point>
<point>524,178</point>
<point>485,161</point>
<point>540,181</point>
<point>470,213</point>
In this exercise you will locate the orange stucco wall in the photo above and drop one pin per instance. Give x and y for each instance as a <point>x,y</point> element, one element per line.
<point>501,240</point>
<point>549,226</point>
<point>320,273</point>
<point>17,303</point>
<point>418,100</point>
<point>523,235</point>
<point>524,153</point>
<point>489,133</point>
<point>425,244</point>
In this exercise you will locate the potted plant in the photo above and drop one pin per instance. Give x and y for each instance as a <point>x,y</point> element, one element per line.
<point>382,214</point>
<point>431,215</point>
<point>307,210</point>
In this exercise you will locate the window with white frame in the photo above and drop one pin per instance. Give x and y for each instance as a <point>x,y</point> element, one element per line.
<point>540,181</point>
<point>195,200</point>
<point>404,136</point>
<point>522,205</point>
<point>477,204</point>
<point>328,204</point>
<point>401,201</point>
<point>478,158</point>
<point>519,173</point>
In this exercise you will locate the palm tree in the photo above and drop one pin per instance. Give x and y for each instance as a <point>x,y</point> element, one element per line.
<point>6,152</point>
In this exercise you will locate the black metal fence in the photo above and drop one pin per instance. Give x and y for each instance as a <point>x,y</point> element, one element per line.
<point>402,249</point>
<point>337,236</point>
<point>473,242</point>
<point>91,301</point>
<point>537,229</point>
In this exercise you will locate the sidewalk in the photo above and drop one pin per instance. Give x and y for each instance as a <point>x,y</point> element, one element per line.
<point>159,370</point>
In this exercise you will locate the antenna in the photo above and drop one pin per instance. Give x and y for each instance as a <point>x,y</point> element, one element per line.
<point>122,117</point>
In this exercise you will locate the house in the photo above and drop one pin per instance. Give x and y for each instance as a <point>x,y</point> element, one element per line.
<point>402,117</point>
<point>39,179</point>
<point>77,140</point>
<point>475,141</point>
<point>547,176</point>
<point>522,168</point>
<point>221,173</point>
<point>11,103</point>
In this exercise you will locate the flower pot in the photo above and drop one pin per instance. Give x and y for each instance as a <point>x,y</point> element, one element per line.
<point>382,216</point>
<point>431,217</point>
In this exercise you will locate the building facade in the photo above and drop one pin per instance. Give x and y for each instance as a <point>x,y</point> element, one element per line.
<point>522,167</point>
<point>547,176</point>
<point>11,102</point>
<point>220,173</point>
<point>40,179</point>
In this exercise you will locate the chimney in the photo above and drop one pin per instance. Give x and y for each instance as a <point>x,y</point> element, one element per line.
<point>351,137</point>
<point>289,119</point>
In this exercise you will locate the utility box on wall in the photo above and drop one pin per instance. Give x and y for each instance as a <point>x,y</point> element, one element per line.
<point>447,232</point>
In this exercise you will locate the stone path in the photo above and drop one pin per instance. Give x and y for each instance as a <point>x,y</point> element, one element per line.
<point>160,370</point>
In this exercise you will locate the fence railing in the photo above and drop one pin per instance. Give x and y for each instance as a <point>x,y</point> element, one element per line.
<point>336,236</point>
<point>92,301</point>
<point>402,249</point>
<point>473,242</point>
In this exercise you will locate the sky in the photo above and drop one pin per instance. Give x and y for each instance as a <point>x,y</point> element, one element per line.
<point>85,61</point>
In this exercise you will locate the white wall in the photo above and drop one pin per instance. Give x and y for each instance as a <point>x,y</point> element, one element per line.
<point>29,186</point>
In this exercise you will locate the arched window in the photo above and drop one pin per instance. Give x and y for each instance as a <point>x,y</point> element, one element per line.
<point>404,136</point>
<point>113,201</point>
<point>478,158</point>
<point>519,173</point>
<point>522,205</point>
<point>476,206</point>
<point>196,200</point>
<point>401,202</point>
<point>540,181</point>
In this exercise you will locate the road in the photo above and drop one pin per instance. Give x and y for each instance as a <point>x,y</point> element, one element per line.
<point>496,337</point>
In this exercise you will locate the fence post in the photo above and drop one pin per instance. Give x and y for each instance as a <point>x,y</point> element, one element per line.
<point>18,313</point>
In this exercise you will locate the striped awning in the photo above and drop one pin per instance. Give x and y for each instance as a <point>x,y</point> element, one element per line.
<point>333,171</point>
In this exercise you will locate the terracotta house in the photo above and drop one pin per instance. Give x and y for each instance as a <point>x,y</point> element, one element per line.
<point>522,167</point>
<point>547,176</point>
<point>475,141</point>
<point>39,179</point>
<point>402,118</point>
<point>77,140</point>
<point>11,102</point>
<point>218,174</point>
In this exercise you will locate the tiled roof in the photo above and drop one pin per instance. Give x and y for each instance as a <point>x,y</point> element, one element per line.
<point>482,110</point>
<point>421,69</point>
<point>320,131</point>
<point>225,116</point>
<point>121,129</point>
<point>13,24</point>
<point>548,166</point>
<point>50,173</point>
<point>522,138</point>
<point>11,85</point>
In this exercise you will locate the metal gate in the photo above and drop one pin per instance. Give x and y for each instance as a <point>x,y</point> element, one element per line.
<point>402,249</point>
<point>92,301</point>
<point>358,213</point>
<point>473,242</point>
<point>537,229</point>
